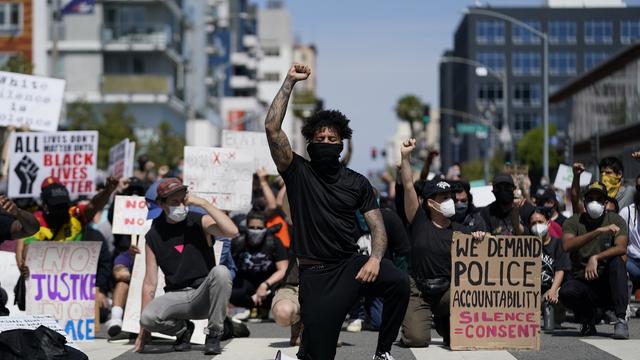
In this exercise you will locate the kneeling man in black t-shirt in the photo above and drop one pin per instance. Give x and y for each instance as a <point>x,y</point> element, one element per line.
<point>323,197</point>
<point>179,241</point>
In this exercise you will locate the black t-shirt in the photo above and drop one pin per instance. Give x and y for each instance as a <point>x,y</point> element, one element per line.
<point>323,213</point>
<point>499,222</point>
<point>431,247</point>
<point>181,251</point>
<point>554,258</point>
<point>397,238</point>
<point>5,227</point>
<point>257,265</point>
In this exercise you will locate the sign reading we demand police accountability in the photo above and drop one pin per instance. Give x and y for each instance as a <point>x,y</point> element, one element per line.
<point>495,292</point>
<point>70,156</point>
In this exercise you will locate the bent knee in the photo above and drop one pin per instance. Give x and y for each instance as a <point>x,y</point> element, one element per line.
<point>148,320</point>
<point>415,339</point>
<point>285,313</point>
<point>121,274</point>
<point>222,274</point>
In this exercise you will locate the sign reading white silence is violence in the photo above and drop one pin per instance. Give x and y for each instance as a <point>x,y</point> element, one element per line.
<point>30,101</point>
<point>70,156</point>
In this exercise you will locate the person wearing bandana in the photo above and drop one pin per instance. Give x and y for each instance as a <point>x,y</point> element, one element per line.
<point>502,217</point>
<point>324,197</point>
<point>612,176</point>
<point>262,262</point>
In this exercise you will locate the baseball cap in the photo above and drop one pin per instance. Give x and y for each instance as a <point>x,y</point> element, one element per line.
<point>596,186</point>
<point>54,193</point>
<point>435,187</point>
<point>503,179</point>
<point>169,187</point>
<point>544,194</point>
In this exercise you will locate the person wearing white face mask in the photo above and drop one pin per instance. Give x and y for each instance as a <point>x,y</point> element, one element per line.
<point>431,234</point>
<point>596,241</point>
<point>179,242</point>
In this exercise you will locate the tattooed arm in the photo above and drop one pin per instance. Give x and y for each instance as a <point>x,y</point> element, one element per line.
<point>378,233</point>
<point>278,142</point>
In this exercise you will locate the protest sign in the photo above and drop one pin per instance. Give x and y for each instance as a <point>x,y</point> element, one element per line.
<point>30,101</point>
<point>9,275</point>
<point>564,177</point>
<point>222,176</point>
<point>130,215</point>
<point>131,319</point>
<point>130,160</point>
<point>70,156</point>
<point>253,142</point>
<point>482,196</point>
<point>32,322</point>
<point>62,283</point>
<point>121,160</point>
<point>495,292</point>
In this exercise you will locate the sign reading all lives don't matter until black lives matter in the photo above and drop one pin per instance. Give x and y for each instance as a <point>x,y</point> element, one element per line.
<point>495,292</point>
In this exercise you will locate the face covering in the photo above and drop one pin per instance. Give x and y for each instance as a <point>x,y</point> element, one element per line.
<point>447,208</point>
<point>595,209</point>
<point>178,213</point>
<point>57,217</point>
<point>325,158</point>
<point>636,197</point>
<point>461,212</point>
<point>613,183</point>
<point>540,230</point>
<point>255,237</point>
<point>504,197</point>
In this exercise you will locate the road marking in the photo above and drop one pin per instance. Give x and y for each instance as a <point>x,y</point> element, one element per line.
<point>437,351</point>
<point>623,349</point>
<point>101,349</point>
<point>256,349</point>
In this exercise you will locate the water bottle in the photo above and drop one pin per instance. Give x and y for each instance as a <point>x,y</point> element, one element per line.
<point>547,314</point>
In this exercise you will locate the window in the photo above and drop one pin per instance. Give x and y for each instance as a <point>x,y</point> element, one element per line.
<point>562,32</point>
<point>272,76</point>
<point>562,63</point>
<point>489,92</point>
<point>591,59</point>
<point>271,51</point>
<point>526,63</point>
<point>521,35</point>
<point>492,60</point>
<point>598,32</point>
<point>524,123</point>
<point>490,32</point>
<point>629,31</point>
<point>526,94</point>
<point>10,18</point>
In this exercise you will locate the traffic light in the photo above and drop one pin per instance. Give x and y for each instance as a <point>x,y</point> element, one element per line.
<point>426,114</point>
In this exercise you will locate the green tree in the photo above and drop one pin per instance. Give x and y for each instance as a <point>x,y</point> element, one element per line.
<point>530,148</point>
<point>166,148</point>
<point>409,108</point>
<point>81,115</point>
<point>302,101</point>
<point>474,170</point>
<point>18,64</point>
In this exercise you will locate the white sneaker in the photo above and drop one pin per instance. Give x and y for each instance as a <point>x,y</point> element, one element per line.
<point>385,356</point>
<point>114,327</point>
<point>355,326</point>
<point>243,315</point>
<point>281,356</point>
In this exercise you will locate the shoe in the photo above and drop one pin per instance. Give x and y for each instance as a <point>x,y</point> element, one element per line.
<point>212,345</point>
<point>243,315</point>
<point>621,330</point>
<point>254,317</point>
<point>183,342</point>
<point>281,356</point>
<point>355,326</point>
<point>609,317</point>
<point>114,327</point>
<point>385,356</point>
<point>296,330</point>
<point>588,329</point>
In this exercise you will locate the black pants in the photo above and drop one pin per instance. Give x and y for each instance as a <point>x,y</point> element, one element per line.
<point>242,291</point>
<point>610,288</point>
<point>328,292</point>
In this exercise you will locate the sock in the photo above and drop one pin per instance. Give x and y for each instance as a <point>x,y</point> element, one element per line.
<point>116,312</point>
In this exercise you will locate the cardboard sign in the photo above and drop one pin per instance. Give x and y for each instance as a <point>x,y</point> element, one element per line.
<point>254,143</point>
<point>130,215</point>
<point>482,196</point>
<point>62,283</point>
<point>131,319</point>
<point>222,176</point>
<point>32,322</point>
<point>495,293</point>
<point>71,156</point>
<point>564,177</point>
<point>121,159</point>
<point>9,275</point>
<point>30,101</point>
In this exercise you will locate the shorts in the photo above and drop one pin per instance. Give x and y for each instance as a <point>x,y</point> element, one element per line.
<point>124,259</point>
<point>287,292</point>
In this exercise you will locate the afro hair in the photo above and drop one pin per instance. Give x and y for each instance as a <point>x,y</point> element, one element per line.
<point>327,119</point>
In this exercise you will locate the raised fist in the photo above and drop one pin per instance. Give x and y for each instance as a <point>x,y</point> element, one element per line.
<point>407,147</point>
<point>27,172</point>
<point>299,72</point>
<point>8,206</point>
<point>636,155</point>
<point>578,168</point>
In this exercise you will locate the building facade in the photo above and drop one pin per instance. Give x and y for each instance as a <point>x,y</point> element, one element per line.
<point>16,29</point>
<point>580,37</point>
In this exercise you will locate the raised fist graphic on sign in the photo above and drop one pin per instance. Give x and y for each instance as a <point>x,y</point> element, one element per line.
<point>27,172</point>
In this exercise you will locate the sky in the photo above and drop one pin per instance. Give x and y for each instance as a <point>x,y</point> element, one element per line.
<point>372,52</point>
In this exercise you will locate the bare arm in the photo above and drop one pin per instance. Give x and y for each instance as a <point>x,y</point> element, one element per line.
<point>571,242</point>
<point>281,270</point>
<point>378,233</point>
<point>410,197</point>
<point>25,223</point>
<point>281,196</point>
<point>100,200</point>
<point>578,168</point>
<point>216,222</point>
<point>150,278</point>
<point>347,157</point>
<point>619,248</point>
<point>427,164</point>
<point>278,142</point>
<point>266,190</point>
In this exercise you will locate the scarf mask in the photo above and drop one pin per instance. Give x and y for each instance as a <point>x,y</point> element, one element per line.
<point>613,183</point>
<point>325,159</point>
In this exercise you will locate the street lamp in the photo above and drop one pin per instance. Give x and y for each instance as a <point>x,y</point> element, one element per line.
<point>545,74</point>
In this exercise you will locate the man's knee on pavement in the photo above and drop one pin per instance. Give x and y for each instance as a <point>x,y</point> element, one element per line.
<point>285,313</point>
<point>121,274</point>
<point>415,337</point>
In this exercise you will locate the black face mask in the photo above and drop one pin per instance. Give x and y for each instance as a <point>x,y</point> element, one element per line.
<point>325,158</point>
<point>461,212</point>
<point>57,217</point>
<point>504,197</point>
<point>636,196</point>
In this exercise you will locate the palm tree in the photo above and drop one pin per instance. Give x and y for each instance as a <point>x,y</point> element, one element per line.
<point>409,109</point>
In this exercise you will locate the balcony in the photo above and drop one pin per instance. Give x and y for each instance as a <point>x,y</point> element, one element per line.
<point>250,41</point>
<point>136,84</point>
<point>242,82</point>
<point>143,35</point>
<point>242,58</point>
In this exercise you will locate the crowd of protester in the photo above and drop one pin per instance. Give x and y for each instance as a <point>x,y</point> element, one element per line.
<point>590,263</point>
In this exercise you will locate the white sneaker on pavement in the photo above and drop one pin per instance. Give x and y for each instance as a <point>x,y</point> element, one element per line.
<point>114,327</point>
<point>385,356</point>
<point>354,325</point>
